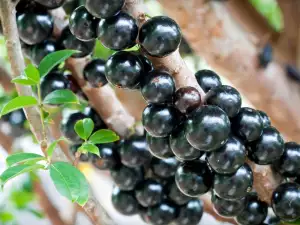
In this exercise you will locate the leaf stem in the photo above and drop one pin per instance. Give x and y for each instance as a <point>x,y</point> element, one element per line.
<point>44,144</point>
<point>77,158</point>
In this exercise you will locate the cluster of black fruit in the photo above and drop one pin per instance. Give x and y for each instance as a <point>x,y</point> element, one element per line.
<point>199,145</point>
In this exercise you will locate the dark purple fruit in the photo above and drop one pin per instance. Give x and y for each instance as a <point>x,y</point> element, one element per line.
<point>160,36</point>
<point>248,124</point>
<point>51,4</point>
<point>175,195</point>
<point>158,87</point>
<point>104,8</point>
<point>268,148</point>
<point>39,51</point>
<point>226,97</point>
<point>124,202</point>
<point>17,118</point>
<point>272,220</point>
<point>208,128</point>
<point>208,79</point>
<point>228,208</point>
<point>234,186</point>
<point>286,201</point>
<point>162,214</point>
<point>118,32</point>
<point>265,119</point>
<point>94,73</point>
<point>194,178</point>
<point>93,115</point>
<point>228,158</point>
<point>109,157</point>
<point>159,146</point>
<point>67,126</point>
<point>164,168</point>
<point>149,193</point>
<point>254,212</point>
<point>190,214</point>
<point>187,99</point>
<point>83,25</point>
<point>146,63</point>
<point>124,70</point>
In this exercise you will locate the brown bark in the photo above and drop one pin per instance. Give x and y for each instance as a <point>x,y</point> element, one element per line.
<point>6,142</point>
<point>5,77</point>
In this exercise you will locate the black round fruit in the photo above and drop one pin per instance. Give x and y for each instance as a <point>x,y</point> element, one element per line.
<point>228,208</point>
<point>208,128</point>
<point>190,214</point>
<point>91,113</point>
<point>187,99</point>
<point>207,79</point>
<point>181,147</point>
<point>265,118</point>
<point>104,8</point>
<point>175,195</point>
<point>124,202</point>
<point>164,168</point>
<point>146,62</point>
<point>226,97</point>
<point>268,148</point>
<point>159,146</point>
<point>248,124</point>
<point>158,87</point>
<point>149,193</point>
<point>94,73</point>
<point>254,212</point>
<point>288,165</point>
<point>160,120</point>
<point>194,178</point>
<point>118,32</point>
<point>134,152</point>
<point>162,214</point>
<point>234,186</point>
<point>51,4</point>
<point>67,126</point>
<point>228,158</point>
<point>83,25</point>
<point>272,220</point>
<point>39,51</point>
<point>160,36</point>
<point>108,159</point>
<point>34,28</point>
<point>286,201</point>
<point>17,118</point>
<point>124,69</point>
<point>127,178</point>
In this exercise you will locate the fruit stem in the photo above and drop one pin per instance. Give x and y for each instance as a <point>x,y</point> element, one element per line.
<point>41,115</point>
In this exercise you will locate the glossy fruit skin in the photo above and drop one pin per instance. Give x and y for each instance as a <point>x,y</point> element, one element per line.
<point>39,51</point>
<point>175,195</point>
<point>268,148</point>
<point>134,152</point>
<point>33,27</point>
<point>248,124</point>
<point>94,73</point>
<point>109,157</point>
<point>83,157</point>
<point>160,120</point>
<point>297,180</point>
<point>164,168</point>
<point>124,70</point>
<point>162,214</point>
<point>17,118</point>
<point>91,113</point>
<point>51,4</point>
<point>265,118</point>
<point>127,178</point>
<point>207,79</point>
<point>228,208</point>
<point>53,81</point>
<point>272,220</point>
<point>181,147</point>
<point>146,62</point>
<point>226,97</point>
<point>190,214</point>
<point>67,126</point>
<point>228,158</point>
<point>234,186</point>
<point>194,178</point>
<point>265,56</point>
<point>118,32</point>
<point>124,202</point>
<point>149,193</point>
<point>83,25</point>
<point>160,36</point>
<point>187,99</point>
<point>104,8</point>
<point>288,164</point>
<point>159,146</point>
<point>158,87</point>
<point>69,41</point>
<point>208,128</point>
<point>254,212</point>
<point>286,201</point>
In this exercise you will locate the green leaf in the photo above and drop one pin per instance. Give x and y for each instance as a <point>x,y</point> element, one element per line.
<point>70,182</point>
<point>14,171</point>
<point>18,103</point>
<point>103,136</point>
<point>22,80</point>
<point>84,128</point>
<point>23,158</point>
<point>31,76</point>
<point>53,145</point>
<point>60,97</point>
<point>88,147</point>
<point>38,214</point>
<point>6,217</point>
<point>21,198</point>
<point>54,59</point>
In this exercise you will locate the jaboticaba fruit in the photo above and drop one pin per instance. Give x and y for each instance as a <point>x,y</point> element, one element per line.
<point>208,79</point>
<point>94,73</point>
<point>159,146</point>
<point>109,157</point>
<point>39,51</point>
<point>67,126</point>
<point>190,214</point>
<point>208,128</point>
<point>265,118</point>
<point>164,168</point>
<point>162,214</point>
<point>104,8</point>
<point>160,36</point>
<point>92,114</point>
<point>187,99</point>
<point>175,195</point>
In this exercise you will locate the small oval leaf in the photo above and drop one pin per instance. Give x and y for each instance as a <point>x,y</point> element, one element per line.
<point>32,73</point>
<point>18,103</point>
<point>53,145</point>
<point>88,147</point>
<point>60,97</point>
<point>84,128</point>
<point>103,136</point>
<point>23,157</point>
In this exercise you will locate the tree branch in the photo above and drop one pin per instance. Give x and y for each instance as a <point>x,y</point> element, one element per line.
<point>5,77</point>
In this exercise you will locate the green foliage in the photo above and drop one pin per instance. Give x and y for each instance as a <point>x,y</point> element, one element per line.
<point>84,128</point>
<point>101,51</point>
<point>19,158</point>
<point>53,145</point>
<point>70,182</point>
<point>30,76</point>
<point>89,147</point>
<point>18,103</point>
<point>103,136</point>
<point>61,97</point>
<point>6,217</point>
<point>22,198</point>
